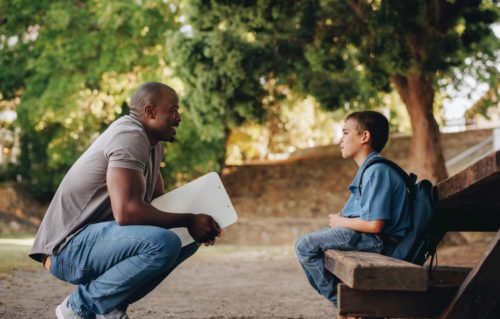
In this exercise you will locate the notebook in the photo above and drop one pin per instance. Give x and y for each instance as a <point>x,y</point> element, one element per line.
<point>206,195</point>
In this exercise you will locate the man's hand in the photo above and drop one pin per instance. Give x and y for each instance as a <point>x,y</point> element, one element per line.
<point>204,229</point>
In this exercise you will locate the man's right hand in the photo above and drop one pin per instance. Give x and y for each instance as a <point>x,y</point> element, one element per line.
<point>203,228</point>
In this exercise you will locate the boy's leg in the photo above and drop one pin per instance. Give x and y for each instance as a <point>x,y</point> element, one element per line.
<point>310,251</point>
<point>110,262</point>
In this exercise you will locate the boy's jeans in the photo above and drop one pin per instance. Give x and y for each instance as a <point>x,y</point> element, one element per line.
<point>310,248</point>
<point>115,266</point>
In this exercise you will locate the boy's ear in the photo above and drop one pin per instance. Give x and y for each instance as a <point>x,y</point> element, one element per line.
<point>366,137</point>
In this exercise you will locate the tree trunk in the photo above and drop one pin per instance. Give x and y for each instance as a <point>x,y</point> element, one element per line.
<point>426,152</point>
<point>223,153</point>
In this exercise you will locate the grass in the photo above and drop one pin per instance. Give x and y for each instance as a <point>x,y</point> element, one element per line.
<point>17,236</point>
<point>14,255</point>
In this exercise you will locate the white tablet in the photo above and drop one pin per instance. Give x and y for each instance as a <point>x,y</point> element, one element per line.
<point>204,195</point>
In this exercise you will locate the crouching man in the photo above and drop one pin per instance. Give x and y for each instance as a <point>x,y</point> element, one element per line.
<point>100,231</point>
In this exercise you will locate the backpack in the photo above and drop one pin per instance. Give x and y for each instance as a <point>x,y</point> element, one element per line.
<point>419,243</point>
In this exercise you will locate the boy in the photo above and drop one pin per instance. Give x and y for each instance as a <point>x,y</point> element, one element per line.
<point>376,210</point>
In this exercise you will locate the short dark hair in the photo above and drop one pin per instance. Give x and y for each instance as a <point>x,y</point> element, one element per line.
<point>375,123</point>
<point>148,93</point>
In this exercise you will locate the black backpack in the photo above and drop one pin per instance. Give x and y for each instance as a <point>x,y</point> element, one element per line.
<point>419,243</point>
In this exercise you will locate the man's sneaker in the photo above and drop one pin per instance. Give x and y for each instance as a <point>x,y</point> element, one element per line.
<point>114,314</point>
<point>63,311</point>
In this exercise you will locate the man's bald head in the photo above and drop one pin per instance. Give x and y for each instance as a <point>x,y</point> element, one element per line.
<point>149,93</point>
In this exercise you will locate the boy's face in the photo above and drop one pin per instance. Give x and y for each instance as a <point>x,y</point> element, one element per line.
<point>352,140</point>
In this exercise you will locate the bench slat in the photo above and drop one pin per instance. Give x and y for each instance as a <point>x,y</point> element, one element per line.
<point>468,201</point>
<point>404,304</point>
<point>480,292</point>
<point>371,271</point>
<point>394,304</point>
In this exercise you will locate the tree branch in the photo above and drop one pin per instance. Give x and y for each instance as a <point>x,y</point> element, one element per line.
<point>357,7</point>
<point>401,85</point>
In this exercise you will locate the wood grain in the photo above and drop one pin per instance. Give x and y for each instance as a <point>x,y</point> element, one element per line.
<point>371,271</point>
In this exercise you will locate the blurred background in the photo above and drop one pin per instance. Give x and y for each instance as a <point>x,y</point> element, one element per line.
<point>264,88</point>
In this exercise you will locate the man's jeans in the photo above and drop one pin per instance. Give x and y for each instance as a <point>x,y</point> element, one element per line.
<point>115,266</point>
<point>310,251</point>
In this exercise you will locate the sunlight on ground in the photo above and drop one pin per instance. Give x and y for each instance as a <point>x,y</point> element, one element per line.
<point>246,250</point>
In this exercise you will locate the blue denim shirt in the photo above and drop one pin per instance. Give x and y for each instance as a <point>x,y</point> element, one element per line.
<point>383,196</point>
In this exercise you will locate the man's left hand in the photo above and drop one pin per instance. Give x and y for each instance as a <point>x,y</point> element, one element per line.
<point>212,242</point>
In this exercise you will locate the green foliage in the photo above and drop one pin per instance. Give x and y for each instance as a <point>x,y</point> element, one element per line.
<point>74,63</point>
<point>344,52</point>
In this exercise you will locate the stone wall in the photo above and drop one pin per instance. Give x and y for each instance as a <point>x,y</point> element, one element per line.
<point>278,201</point>
<point>275,201</point>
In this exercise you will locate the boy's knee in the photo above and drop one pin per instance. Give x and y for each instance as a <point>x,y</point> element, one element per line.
<point>302,245</point>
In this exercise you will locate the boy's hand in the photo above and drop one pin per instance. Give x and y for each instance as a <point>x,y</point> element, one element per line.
<point>336,220</point>
<point>364,226</point>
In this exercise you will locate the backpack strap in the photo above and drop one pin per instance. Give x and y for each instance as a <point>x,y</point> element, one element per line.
<point>409,180</point>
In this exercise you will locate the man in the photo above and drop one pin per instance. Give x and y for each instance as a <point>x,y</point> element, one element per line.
<point>100,231</point>
<point>376,210</point>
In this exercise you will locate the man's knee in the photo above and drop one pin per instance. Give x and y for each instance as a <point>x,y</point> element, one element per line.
<point>166,246</point>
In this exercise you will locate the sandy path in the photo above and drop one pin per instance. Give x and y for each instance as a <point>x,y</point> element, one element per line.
<point>239,283</point>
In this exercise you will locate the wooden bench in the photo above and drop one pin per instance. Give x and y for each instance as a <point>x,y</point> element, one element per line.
<point>379,286</point>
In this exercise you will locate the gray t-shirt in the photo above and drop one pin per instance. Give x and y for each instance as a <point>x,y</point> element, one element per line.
<point>82,197</point>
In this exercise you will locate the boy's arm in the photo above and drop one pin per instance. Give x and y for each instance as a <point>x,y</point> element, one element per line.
<point>364,226</point>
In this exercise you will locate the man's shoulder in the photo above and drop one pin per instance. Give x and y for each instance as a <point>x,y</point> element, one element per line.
<point>123,133</point>
<point>127,123</point>
<point>127,128</point>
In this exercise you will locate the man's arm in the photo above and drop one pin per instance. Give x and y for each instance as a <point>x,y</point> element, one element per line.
<point>159,186</point>
<point>126,189</point>
<point>364,226</point>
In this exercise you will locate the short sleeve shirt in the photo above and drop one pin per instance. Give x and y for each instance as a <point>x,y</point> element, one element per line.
<point>82,197</point>
<point>382,196</point>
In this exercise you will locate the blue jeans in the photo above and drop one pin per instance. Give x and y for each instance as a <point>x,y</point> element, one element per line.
<point>115,266</point>
<point>310,251</point>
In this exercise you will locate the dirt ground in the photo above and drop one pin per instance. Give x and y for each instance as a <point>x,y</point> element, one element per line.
<point>218,282</point>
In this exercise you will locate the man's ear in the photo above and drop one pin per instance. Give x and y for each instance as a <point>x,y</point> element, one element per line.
<point>150,111</point>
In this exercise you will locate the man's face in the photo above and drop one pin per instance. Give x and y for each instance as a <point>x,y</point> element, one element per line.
<point>167,117</point>
<point>352,140</point>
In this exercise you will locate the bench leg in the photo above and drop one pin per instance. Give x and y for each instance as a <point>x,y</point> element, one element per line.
<point>480,292</point>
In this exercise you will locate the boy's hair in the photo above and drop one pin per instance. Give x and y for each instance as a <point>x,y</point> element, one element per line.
<point>375,123</point>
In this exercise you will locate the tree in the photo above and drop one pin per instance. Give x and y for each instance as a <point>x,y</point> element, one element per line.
<point>73,64</point>
<point>349,53</point>
<point>221,75</point>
